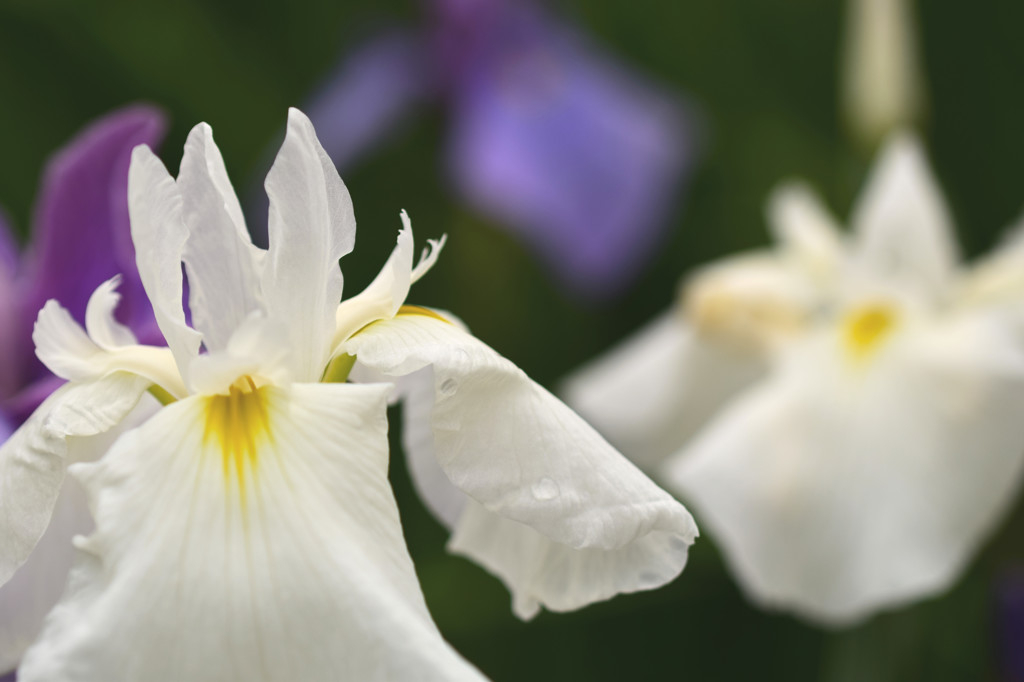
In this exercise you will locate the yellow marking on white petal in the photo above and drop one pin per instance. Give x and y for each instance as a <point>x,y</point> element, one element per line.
<point>417,310</point>
<point>866,327</point>
<point>238,423</point>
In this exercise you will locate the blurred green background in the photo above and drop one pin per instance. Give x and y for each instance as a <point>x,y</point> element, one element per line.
<point>763,72</point>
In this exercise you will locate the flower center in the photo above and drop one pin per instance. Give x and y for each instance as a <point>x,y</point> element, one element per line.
<point>238,423</point>
<point>866,327</point>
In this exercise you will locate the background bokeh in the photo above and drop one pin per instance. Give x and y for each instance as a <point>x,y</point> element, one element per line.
<point>763,74</point>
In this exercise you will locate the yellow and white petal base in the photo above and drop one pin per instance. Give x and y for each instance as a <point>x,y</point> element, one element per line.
<point>248,536</point>
<point>865,472</point>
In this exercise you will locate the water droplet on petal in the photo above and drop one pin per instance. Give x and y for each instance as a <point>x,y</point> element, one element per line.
<point>546,489</point>
<point>448,387</point>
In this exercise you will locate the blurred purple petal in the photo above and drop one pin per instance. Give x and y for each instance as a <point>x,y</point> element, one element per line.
<point>81,235</point>
<point>10,361</point>
<point>369,92</point>
<point>579,157</point>
<point>1010,626</point>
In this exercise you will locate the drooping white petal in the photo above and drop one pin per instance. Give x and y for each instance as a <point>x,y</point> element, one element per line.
<point>276,556</point>
<point>64,347</point>
<point>652,393</point>
<point>159,234</point>
<point>901,225</point>
<point>807,234</point>
<point>103,328</point>
<point>540,572</point>
<point>837,488</point>
<point>36,587</point>
<point>524,456</point>
<point>223,265</point>
<point>311,226</point>
<point>33,459</point>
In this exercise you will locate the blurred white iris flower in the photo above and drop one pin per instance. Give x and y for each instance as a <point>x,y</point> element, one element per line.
<point>843,410</point>
<point>246,529</point>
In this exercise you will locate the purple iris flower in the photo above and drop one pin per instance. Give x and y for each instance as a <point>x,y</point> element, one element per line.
<point>578,156</point>
<point>80,238</point>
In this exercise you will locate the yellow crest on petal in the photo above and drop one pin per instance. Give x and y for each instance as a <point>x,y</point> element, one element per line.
<point>239,424</point>
<point>866,327</point>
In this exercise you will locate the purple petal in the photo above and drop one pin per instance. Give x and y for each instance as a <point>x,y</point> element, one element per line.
<point>368,93</point>
<point>576,155</point>
<point>10,323</point>
<point>82,236</point>
<point>1010,626</point>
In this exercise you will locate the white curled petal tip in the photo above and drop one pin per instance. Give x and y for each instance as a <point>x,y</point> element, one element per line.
<point>64,347</point>
<point>100,322</point>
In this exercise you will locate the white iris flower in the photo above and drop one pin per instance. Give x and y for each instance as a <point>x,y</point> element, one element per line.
<point>843,410</point>
<point>246,529</point>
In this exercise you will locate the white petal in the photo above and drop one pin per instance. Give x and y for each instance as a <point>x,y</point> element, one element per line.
<point>36,587</point>
<point>523,455</point>
<point>64,347</point>
<point>103,328</point>
<point>441,497</point>
<point>539,572</point>
<point>901,223</point>
<point>311,226</point>
<point>223,265</point>
<point>159,234</point>
<point>289,563</point>
<point>651,394</point>
<point>33,459</point>
<point>836,491</point>
<point>882,84</point>
<point>383,297</point>
<point>807,234</point>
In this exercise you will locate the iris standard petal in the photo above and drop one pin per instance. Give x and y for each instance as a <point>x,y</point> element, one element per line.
<point>653,392</point>
<point>159,234</point>
<point>33,459</point>
<point>311,226</point>
<point>807,234</point>
<point>837,488</point>
<point>902,228</point>
<point>223,265</point>
<point>524,456</point>
<point>276,540</point>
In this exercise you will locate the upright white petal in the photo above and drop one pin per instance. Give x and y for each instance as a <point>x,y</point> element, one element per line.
<point>837,489</point>
<point>883,87</point>
<point>653,392</point>
<point>311,227</point>
<point>382,298</point>
<point>288,564</point>
<point>159,234</point>
<point>901,224</point>
<point>33,459</point>
<point>524,456</point>
<point>808,236</point>
<point>223,265</point>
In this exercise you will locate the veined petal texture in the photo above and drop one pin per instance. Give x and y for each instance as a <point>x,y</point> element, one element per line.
<point>271,554</point>
<point>536,473</point>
